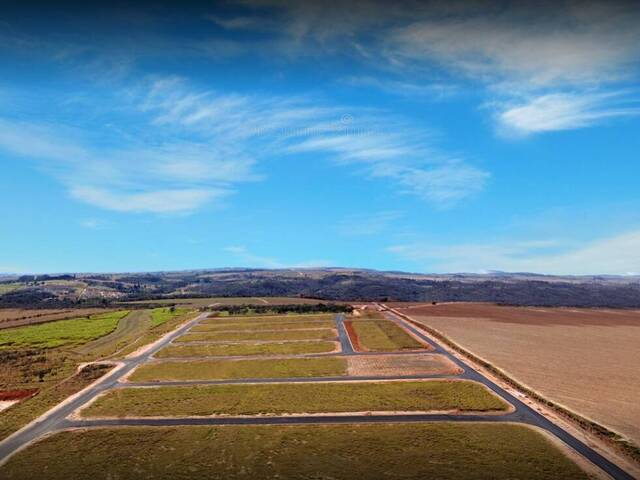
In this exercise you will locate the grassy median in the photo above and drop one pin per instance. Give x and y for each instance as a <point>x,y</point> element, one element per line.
<point>228,369</point>
<point>381,336</point>
<point>255,399</point>
<point>326,334</point>
<point>241,349</point>
<point>337,452</point>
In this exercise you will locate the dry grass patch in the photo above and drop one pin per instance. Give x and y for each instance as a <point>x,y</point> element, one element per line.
<point>337,452</point>
<point>229,369</point>
<point>258,326</point>
<point>267,336</point>
<point>381,336</point>
<point>291,398</point>
<point>212,350</point>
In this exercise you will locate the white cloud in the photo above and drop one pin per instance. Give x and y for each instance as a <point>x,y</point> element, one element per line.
<point>616,255</point>
<point>563,112</point>
<point>160,201</point>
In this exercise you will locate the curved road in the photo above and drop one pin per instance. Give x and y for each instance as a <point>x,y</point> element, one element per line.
<point>57,418</point>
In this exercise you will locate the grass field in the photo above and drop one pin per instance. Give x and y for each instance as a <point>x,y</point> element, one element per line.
<point>19,317</point>
<point>381,336</point>
<point>575,357</point>
<point>209,301</point>
<point>227,369</point>
<point>61,333</point>
<point>267,318</point>
<point>204,350</point>
<point>258,336</point>
<point>321,452</point>
<point>254,399</point>
<point>10,287</point>
<point>163,315</point>
<point>252,327</point>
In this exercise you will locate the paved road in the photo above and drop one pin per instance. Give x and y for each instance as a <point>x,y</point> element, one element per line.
<point>523,413</point>
<point>343,336</point>
<point>57,418</point>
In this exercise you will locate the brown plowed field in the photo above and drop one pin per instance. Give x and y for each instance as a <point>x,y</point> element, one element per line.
<point>585,359</point>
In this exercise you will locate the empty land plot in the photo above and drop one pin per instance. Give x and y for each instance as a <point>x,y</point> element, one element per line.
<point>250,327</point>
<point>213,350</point>
<point>296,398</point>
<point>326,334</point>
<point>576,357</point>
<point>61,333</point>
<point>380,336</point>
<point>399,365</point>
<point>230,369</point>
<point>338,452</point>
<point>266,319</point>
<point>163,315</point>
<point>205,302</point>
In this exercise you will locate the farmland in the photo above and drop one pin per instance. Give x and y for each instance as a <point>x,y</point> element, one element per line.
<point>271,452</point>
<point>286,398</point>
<point>62,332</point>
<point>576,357</point>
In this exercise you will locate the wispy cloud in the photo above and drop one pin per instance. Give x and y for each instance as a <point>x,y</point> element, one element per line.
<point>560,111</point>
<point>618,254</point>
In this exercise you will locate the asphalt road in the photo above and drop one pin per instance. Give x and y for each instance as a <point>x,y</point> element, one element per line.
<point>56,419</point>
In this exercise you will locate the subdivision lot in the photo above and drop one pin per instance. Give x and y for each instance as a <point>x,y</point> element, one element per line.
<point>329,366</point>
<point>380,336</point>
<point>339,452</point>
<point>252,327</point>
<point>289,398</point>
<point>266,318</point>
<point>326,334</point>
<point>232,369</point>
<point>240,349</point>
<point>208,301</point>
<point>576,357</point>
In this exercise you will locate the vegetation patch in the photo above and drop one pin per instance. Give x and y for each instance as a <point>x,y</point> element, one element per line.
<point>211,350</point>
<point>61,333</point>
<point>216,318</point>
<point>381,336</point>
<point>258,336</point>
<point>285,398</point>
<point>228,369</point>
<point>338,452</point>
<point>254,326</point>
<point>163,315</point>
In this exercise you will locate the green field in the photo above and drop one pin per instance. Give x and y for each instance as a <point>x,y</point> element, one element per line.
<point>162,315</point>
<point>255,326</point>
<point>258,336</point>
<point>383,336</point>
<point>75,331</point>
<point>444,451</point>
<point>255,399</point>
<point>227,369</point>
<point>210,350</point>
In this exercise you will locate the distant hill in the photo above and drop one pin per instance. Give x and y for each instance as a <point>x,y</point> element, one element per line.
<point>327,284</point>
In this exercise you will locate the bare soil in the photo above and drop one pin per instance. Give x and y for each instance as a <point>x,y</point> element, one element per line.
<point>398,365</point>
<point>585,359</point>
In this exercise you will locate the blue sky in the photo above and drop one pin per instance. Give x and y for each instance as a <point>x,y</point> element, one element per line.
<point>416,136</point>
